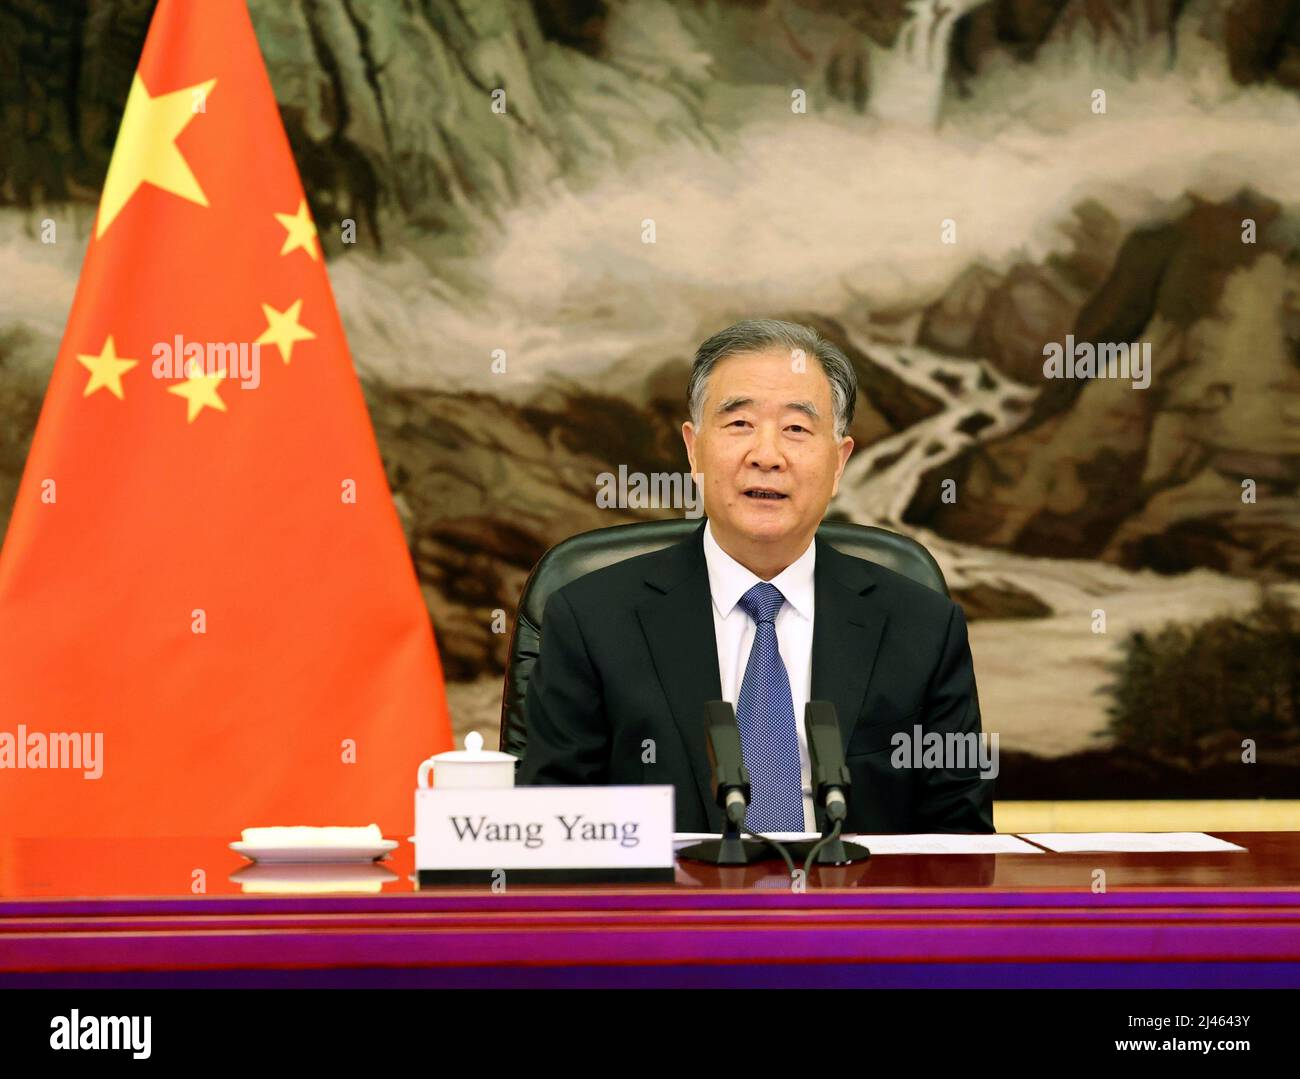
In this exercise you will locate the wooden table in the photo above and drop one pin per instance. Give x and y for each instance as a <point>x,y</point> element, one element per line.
<point>175,912</point>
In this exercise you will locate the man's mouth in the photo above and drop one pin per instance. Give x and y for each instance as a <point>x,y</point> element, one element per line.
<point>766,493</point>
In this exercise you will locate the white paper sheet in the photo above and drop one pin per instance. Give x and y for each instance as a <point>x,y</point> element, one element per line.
<point>928,843</point>
<point>945,843</point>
<point>1138,842</point>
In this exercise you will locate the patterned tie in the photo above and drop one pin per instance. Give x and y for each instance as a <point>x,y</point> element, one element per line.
<point>765,714</point>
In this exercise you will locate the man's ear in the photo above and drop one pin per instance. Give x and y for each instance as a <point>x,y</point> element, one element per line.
<point>845,448</point>
<point>688,436</point>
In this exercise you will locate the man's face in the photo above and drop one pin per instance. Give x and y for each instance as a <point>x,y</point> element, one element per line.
<point>765,452</point>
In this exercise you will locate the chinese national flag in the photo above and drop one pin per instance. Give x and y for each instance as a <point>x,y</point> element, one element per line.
<point>204,565</point>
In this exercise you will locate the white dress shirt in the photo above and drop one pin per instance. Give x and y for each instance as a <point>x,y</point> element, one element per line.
<point>734,631</point>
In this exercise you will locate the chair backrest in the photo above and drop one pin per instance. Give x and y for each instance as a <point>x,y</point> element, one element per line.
<point>571,558</point>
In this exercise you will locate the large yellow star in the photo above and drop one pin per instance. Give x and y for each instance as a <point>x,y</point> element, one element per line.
<point>106,369</point>
<point>302,231</point>
<point>146,149</point>
<point>283,329</point>
<point>200,391</point>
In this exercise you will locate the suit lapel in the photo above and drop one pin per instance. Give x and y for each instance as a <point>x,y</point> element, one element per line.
<point>846,635</point>
<point>677,621</point>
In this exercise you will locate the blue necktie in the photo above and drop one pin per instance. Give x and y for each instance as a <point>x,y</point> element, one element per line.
<point>765,715</point>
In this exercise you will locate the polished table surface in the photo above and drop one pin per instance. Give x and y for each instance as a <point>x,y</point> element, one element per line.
<point>189,911</point>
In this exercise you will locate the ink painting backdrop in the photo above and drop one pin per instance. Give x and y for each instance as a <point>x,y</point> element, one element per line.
<point>1058,239</point>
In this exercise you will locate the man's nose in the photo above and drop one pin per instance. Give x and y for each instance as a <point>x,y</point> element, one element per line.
<point>766,453</point>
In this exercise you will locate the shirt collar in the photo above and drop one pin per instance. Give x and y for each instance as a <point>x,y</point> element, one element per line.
<point>729,580</point>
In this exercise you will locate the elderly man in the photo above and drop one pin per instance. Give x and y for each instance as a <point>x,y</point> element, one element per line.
<point>752,608</point>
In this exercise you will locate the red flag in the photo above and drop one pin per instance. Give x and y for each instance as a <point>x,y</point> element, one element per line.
<point>204,572</point>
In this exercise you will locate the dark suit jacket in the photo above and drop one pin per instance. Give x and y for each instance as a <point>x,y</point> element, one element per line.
<point>628,653</point>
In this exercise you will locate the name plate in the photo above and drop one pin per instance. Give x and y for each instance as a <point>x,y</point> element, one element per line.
<point>503,834</point>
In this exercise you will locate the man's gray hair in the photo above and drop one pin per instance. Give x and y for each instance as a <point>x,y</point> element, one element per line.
<point>762,335</point>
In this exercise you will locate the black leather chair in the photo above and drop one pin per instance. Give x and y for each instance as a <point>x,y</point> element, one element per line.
<point>588,551</point>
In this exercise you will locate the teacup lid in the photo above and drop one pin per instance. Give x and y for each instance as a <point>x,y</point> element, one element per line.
<point>472,753</point>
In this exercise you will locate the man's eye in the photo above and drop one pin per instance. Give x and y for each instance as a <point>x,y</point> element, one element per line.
<point>797,427</point>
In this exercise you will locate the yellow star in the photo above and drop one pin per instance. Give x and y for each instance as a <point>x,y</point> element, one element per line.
<point>106,369</point>
<point>283,329</point>
<point>146,149</point>
<point>200,391</point>
<point>302,232</point>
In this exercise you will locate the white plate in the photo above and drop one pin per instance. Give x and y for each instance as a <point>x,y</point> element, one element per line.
<point>365,852</point>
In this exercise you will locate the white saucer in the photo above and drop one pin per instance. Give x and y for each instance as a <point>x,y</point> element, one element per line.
<point>365,852</point>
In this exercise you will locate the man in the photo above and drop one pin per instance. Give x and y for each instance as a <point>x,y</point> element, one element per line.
<point>753,609</point>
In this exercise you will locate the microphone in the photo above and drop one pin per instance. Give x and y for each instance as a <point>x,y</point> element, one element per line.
<point>830,783</point>
<point>730,780</point>
<point>731,791</point>
<point>726,763</point>
<point>829,773</point>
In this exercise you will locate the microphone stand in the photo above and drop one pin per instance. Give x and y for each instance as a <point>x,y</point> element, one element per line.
<point>731,790</point>
<point>830,849</point>
<point>731,848</point>
<point>831,784</point>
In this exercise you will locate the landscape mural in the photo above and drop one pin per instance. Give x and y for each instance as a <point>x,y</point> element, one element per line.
<point>533,213</point>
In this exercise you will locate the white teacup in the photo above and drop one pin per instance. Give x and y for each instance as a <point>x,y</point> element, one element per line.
<point>472,766</point>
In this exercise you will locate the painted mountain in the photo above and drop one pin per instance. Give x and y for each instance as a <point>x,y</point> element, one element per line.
<point>535,211</point>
